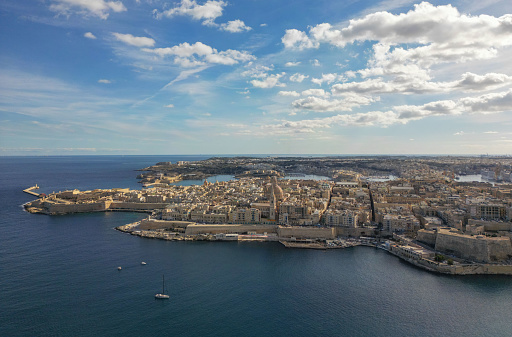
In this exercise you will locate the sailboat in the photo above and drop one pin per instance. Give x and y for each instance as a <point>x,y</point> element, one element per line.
<point>162,296</point>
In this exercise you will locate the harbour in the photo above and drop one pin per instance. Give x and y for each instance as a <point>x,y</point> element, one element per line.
<point>63,277</point>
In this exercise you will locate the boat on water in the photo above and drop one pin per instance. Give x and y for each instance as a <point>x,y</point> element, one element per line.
<point>143,263</point>
<point>162,295</point>
<point>119,268</point>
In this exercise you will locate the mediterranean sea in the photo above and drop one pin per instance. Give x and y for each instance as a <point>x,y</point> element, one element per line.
<point>59,277</point>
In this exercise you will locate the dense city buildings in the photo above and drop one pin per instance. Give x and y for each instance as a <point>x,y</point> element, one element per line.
<point>420,209</point>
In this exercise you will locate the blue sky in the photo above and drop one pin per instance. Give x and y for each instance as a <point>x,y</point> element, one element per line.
<point>255,77</point>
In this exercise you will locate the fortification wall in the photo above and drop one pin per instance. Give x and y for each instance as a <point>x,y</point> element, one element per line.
<point>499,248</point>
<point>151,224</point>
<point>427,236</point>
<point>120,205</point>
<point>306,232</point>
<point>466,247</point>
<point>476,248</point>
<point>354,232</point>
<point>194,229</point>
<point>61,208</point>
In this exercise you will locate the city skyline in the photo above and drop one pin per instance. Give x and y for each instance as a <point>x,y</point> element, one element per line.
<point>255,77</point>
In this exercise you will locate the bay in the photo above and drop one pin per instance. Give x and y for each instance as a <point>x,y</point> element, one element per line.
<point>59,277</point>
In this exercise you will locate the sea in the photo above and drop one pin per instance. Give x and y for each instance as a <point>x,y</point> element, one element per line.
<point>59,275</point>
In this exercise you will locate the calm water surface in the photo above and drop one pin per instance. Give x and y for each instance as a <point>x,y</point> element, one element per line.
<point>59,277</point>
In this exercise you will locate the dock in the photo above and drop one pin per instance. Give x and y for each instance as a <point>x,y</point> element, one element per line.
<point>30,190</point>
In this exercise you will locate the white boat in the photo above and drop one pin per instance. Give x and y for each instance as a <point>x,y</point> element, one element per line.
<point>163,295</point>
<point>119,268</point>
<point>143,263</point>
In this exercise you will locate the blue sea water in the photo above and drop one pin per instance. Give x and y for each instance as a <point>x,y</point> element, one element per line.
<point>59,277</point>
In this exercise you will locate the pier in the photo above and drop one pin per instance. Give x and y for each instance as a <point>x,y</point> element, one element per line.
<point>30,190</point>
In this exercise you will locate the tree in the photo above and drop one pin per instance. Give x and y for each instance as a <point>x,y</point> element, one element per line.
<point>439,258</point>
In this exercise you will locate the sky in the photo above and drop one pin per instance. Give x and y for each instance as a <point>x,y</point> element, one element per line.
<point>155,77</point>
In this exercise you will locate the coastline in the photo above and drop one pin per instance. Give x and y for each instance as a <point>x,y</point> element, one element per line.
<point>340,243</point>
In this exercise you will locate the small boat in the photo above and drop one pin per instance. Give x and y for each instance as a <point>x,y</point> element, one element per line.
<point>119,268</point>
<point>143,263</point>
<point>163,295</point>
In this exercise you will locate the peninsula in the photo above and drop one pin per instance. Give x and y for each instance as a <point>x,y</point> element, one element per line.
<point>420,209</point>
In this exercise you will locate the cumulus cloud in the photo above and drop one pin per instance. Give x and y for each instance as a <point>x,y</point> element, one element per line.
<point>315,92</point>
<point>298,77</point>
<point>235,26</point>
<point>473,82</point>
<point>315,63</point>
<point>288,93</point>
<point>206,12</point>
<point>425,24</point>
<point>372,118</point>
<point>326,105</point>
<point>169,106</point>
<point>99,8</point>
<point>327,78</point>
<point>199,54</point>
<point>90,35</point>
<point>297,39</point>
<point>291,64</point>
<point>137,41</point>
<point>407,45</point>
<point>483,104</point>
<point>489,103</point>
<point>269,82</point>
<point>467,82</point>
<point>411,112</point>
<point>257,71</point>
<point>104,81</point>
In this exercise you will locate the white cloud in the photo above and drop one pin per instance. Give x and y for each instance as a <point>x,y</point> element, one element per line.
<point>291,64</point>
<point>405,84</point>
<point>496,102</point>
<point>407,45</point>
<point>169,106</point>
<point>263,25</point>
<point>269,82</point>
<point>206,12</point>
<point>315,92</point>
<point>296,39</point>
<point>460,133</point>
<point>489,103</point>
<point>483,104</point>
<point>491,132</point>
<point>90,35</point>
<point>425,24</point>
<point>298,77</point>
<point>199,54</point>
<point>235,26</point>
<point>315,63</point>
<point>257,71</point>
<point>288,93</point>
<point>99,8</point>
<point>328,78</point>
<point>104,81</point>
<point>136,41</point>
<point>411,112</point>
<point>380,118</point>
<point>470,81</point>
<point>325,105</point>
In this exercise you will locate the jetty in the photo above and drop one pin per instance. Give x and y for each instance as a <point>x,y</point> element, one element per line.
<point>31,189</point>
